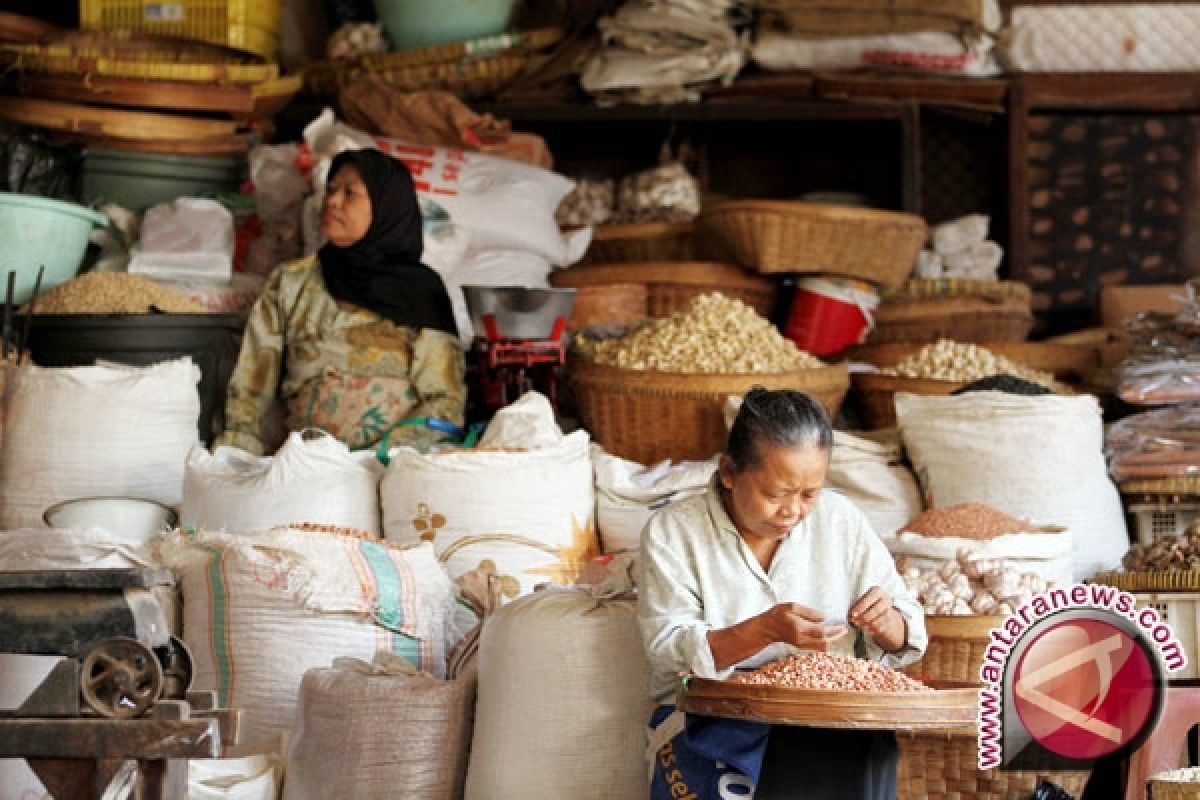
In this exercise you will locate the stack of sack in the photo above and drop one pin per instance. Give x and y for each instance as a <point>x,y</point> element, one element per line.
<point>961,249</point>
<point>665,51</point>
<point>953,37</point>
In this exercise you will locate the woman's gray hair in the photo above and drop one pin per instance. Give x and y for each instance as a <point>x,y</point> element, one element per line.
<point>783,418</point>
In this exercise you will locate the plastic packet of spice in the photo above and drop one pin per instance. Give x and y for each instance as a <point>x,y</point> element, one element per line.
<point>1155,444</point>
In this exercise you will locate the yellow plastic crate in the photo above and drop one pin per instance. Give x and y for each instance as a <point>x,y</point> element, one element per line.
<point>250,25</point>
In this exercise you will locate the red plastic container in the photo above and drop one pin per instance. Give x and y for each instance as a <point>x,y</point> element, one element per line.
<point>823,324</point>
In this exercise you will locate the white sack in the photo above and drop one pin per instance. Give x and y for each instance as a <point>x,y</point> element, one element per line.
<point>1047,554</point>
<point>262,609</point>
<point>563,700</point>
<point>528,513</point>
<point>189,238</point>
<point>628,494</point>
<point>1038,458</point>
<point>317,480</point>
<point>959,234</point>
<point>874,477</point>
<point>91,431</point>
<point>373,730</point>
<point>249,778</point>
<point>932,52</point>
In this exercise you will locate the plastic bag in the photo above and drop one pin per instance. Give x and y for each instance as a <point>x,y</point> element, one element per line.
<point>34,166</point>
<point>1155,444</point>
<point>188,239</point>
<point>1163,365</point>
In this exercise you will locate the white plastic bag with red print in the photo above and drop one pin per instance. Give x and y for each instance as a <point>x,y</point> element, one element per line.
<point>503,204</point>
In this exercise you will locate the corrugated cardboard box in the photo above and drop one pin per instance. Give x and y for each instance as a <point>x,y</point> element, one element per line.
<point>1121,302</point>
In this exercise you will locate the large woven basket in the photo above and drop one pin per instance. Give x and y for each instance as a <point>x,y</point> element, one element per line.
<point>647,241</point>
<point>782,236</point>
<point>945,766</point>
<point>966,311</point>
<point>647,416</point>
<point>956,648</point>
<point>672,284</point>
<point>876,395</point>
<point>606,304</point>
<point>1160,789</point>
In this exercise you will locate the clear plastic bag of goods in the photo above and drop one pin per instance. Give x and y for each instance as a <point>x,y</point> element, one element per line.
<point>188,239</point>
<point>1155,444</point>
<point>1163,365</point>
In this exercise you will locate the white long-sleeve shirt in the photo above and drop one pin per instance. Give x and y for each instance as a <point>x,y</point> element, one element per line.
<point>697,574</point>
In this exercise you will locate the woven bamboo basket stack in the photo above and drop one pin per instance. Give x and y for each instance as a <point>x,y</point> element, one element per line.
<point>925,310</point>
<point>945,766</point>
<point>956,648</point>
<point>642,242</point>
<point>471,69</point>
<point>876,392</point>
<point>648,416</point>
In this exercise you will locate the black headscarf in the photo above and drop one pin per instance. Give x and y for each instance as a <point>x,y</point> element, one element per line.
<point>383,270</point>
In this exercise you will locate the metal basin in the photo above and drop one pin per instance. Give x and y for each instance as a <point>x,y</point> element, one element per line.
<point>520,313</point>
<point>130,518</point>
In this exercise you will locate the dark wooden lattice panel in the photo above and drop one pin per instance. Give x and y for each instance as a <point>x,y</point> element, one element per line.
<point>1111,201</point>
<point>960,171</point>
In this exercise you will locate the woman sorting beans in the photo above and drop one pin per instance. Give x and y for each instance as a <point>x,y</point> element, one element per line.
<point>763,565</point>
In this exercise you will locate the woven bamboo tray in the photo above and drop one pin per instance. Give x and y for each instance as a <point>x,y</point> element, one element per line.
<point>952,708</point>
<point>673,284</point>
<point>648,241</point>
<point>779,236</point>
<point>65,62</point>
<point>1172,790</point>
<point>945,766</point>
<point>19,28</point>
<point>963,319</point>
<point>1175,581</point>
<point>647,416</point>
<point>877,395</point>
<point>606,304</point>
<point>78,118</point>
<point>470,79</point>
<point>956,648</point>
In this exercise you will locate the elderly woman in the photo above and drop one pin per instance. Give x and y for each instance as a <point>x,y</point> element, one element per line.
<point>764,564</point>
<point>359,340</point>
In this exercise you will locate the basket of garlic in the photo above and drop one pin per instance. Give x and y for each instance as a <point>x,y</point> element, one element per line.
<point>963,601</point>
<point>944,366</point>
<point>658,392</point>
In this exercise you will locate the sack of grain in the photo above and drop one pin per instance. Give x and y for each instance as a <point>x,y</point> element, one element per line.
<point>526,512</point>
<point>873,475</point>
<point>95,431</point>
<point>42,549</point>
<point>261,609</point>
<point>628,494</point>
<point>563,700</point>
<point>1036,457</point>
<point>940,534</point>
<point>248,778</point>
<point>307,480</point>
<point>380,729</point>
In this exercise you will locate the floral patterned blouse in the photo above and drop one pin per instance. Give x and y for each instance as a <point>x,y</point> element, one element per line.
<point>351,373</point>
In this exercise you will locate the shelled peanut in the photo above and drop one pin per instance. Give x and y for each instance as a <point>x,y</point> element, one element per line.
<point>947,360</point>
<point>717,334</point>
<point>971,585</point>
<point>1166,553</point>
<point>832,672</point>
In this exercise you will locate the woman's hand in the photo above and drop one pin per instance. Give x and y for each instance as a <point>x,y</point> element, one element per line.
<point>800,626</point>
<point>879,619</point>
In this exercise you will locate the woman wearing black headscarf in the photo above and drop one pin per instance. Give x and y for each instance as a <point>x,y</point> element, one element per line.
<point>359,338</point>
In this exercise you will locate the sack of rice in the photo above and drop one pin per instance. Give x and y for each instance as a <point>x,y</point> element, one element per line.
<point>261,609</point>
<point>873,475</point>
<point>344,742</point>
<point>521,502</point>
<point>96,431</point>
<point>1035,457</point>
<point>307,480</point>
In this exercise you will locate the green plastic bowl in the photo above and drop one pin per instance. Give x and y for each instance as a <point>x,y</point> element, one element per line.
<point>411,24</point>
<point>37,231</point>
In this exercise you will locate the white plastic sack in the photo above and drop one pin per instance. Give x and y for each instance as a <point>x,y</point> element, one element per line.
<point>504,204</point>
<point>262,609</point>
<point>1045,554</point>
<point>628,494</point>
<point>187,239</point>
<point>979,262</point>
<point>562,702</point>
<point>372,730</point>
<point>873,476</point>
<point>249,778</point>
<point>93,431</point>
<point>1038,458</point>
<point>959,234</point>
<point>528,514</point>
<point>316,480</point>
<point>931,52</point>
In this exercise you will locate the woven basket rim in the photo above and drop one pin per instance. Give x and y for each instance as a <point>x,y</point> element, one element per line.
<point>1173,581</point>
<point>875,381</point>
<point>948,308</point>
<point>1182,484</point>
<point>633,230</point>
<point>953,626</point>
<point>827,377</point>
<point>1061,357</point>
<point>942,288</point>
<point>684,273</point>
<point>832,213</point>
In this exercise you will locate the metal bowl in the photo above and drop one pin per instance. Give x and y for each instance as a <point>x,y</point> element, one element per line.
<point>520,313</point>
<point>129,518</point>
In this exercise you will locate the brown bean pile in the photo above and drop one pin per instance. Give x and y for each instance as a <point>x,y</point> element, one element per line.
<point>113,293</point>
<point>968,521</point>
<point>1166,553</point>
<point>833,672</point>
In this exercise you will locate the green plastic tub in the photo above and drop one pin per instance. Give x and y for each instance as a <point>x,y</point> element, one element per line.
<point>411,24</point>
<point>139,180</point>
<point>37,231</point>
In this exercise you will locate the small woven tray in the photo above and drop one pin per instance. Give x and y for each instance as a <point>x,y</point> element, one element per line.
<point>1177,581</point>
<point>954,708</point>
<point>473,78</point>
